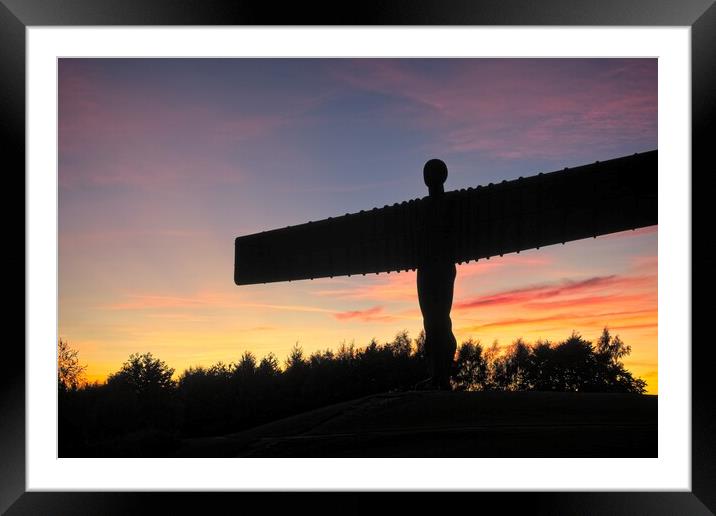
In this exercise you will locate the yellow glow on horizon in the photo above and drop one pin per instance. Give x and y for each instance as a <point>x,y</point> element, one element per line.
<point>181,351</point>
<point>539,295</point>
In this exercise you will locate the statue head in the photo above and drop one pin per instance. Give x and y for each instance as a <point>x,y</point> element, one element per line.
<point>434,174</point>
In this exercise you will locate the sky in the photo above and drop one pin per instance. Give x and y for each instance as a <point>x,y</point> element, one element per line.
<point>163,162</point>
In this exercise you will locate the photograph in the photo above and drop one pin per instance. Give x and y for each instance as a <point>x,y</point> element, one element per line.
<point>357,257</point>
<point>315,258</point>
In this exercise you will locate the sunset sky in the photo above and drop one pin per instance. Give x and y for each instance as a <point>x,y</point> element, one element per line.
<point>163,162</point>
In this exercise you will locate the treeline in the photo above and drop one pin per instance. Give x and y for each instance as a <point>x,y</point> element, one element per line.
<point>143,410</point>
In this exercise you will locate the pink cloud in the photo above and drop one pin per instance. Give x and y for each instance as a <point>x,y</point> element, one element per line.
<point>552,290</point>
<point>614,320</point>
<point>403,286</point>
<point>368,315</point>
<point>94,112</point>
<point>110,136</point>
<point>387,287</point>
<point>504,111</point>
<point>590,302</point>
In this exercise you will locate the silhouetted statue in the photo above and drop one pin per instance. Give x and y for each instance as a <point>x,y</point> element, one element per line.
<point>436,279</point>
<point>434,233</point>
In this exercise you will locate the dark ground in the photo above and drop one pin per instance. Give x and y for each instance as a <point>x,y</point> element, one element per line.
<point>454,424</point>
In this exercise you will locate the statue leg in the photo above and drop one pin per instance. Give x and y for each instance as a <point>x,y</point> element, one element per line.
<point>435,291</point>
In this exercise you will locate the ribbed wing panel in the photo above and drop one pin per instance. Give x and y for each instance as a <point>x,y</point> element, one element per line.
<point>464,225</point>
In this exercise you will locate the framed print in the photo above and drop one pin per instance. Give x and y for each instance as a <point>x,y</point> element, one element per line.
<point>159,158</point>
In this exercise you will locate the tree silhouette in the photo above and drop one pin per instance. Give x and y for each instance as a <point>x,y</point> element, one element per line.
<point>70,373</point>
<point>542,369</point>
<point>472,367</point>
<point>143,374</point>
<point>205,396</point>
<point>420,345</point>
<point>70,386</point>
<point>511,371</point>
<point>611,374</point>
<point>575,364</point>
<point>572,365</point>
<point>295,358</point>
<point>143,399</point>
<point>268,367</point>
<point>140,396</point>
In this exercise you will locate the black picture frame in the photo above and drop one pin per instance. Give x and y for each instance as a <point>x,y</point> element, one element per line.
<point>700,15</point>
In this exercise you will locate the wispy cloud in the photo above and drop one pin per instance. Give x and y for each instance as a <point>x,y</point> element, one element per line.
<point>552,290</point>
<point>369,315</point>
<point>288,308</point>
<point>151,302</point>
<point>385,287</point>
<point>585,302</point>
<point>503,110</point>
<point>402,286</point>
<point>576,321</point>
<point>213,300</point>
